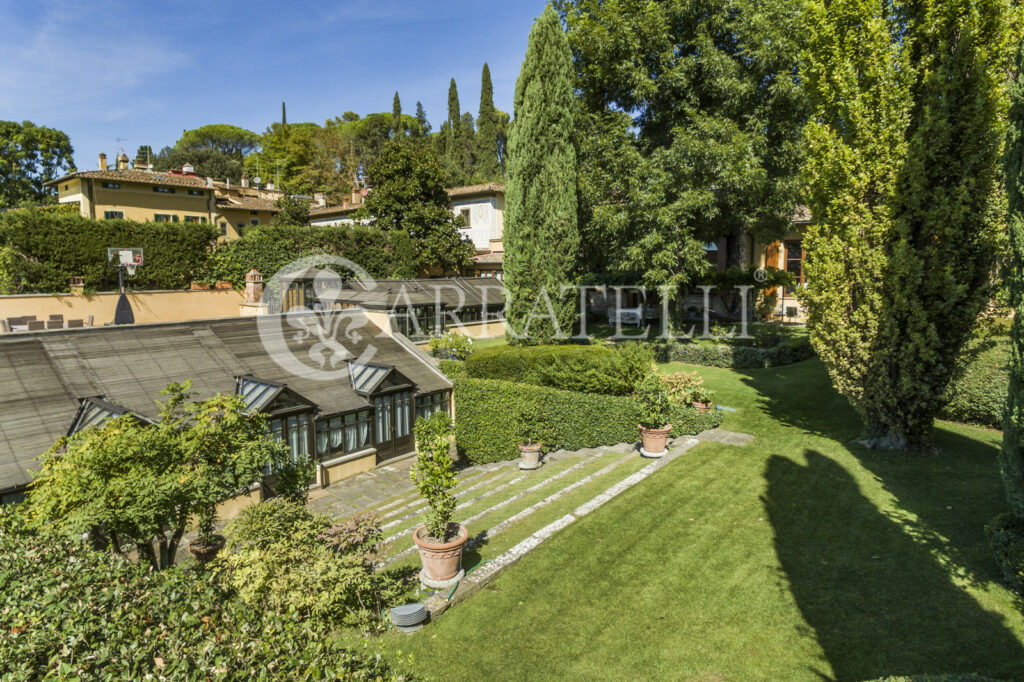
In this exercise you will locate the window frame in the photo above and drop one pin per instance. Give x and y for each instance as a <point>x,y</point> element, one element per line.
<point>161,189</point>
<point>113,215</point>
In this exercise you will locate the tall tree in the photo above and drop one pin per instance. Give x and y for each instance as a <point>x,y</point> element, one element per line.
<point>144,155</point>
<point>450,138</point>
<point>689,129</point>
<point>397,126</point>
<point>903,154</point>
<point>284,117</point>
<point>488,165</point>
<point>467,147</point>
<point>422,124</point>
<point>541,237</point>
<point>409,196</point>
<point>217,151</point>
<point>30,156</point>
<point>1011,457</point>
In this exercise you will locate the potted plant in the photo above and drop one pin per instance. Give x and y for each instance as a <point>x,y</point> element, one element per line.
<point>208,544</point>
<point>701,399</point>
<point>655,409</point>
<point>533,433</point>
<point>440,542</point>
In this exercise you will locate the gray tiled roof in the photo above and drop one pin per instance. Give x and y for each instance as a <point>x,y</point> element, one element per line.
<point>44,374</point>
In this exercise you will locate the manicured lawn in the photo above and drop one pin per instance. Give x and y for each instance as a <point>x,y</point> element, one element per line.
<point>799,557</point>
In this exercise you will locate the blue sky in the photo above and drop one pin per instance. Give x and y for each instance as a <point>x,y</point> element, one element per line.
<point>146,71</point>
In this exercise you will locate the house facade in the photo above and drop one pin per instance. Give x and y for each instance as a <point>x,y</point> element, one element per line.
<point>361,416</point>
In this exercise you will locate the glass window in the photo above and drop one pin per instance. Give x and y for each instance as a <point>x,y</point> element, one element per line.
<point>347,433</point>
<point>162,217</point>
<point>403,403</point>
<point>383,407</point>
<point>163,190</point>
<point>294,431</point>
<point>113,215</point>
<point>795,261</point>
<point>223,229</point>
<point>107,185</point>
<point>254,221</point>
<point>427,405</point>
<point>196,192</point>
<point>194,219</point>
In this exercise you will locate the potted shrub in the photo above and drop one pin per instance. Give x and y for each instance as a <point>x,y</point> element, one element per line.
<point>533,434</point>
<point>701,399</point>
<point>208,544</point>
<point>654,415</point>
<point>439,541</point>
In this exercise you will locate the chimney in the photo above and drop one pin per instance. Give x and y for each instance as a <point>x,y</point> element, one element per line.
<point>78,286</point>
<point>245,179</point>
<point>209,182</point>
<point>227,183</point>
<point>103,161</point>
<point>356,197</point>
<point>253,286</point>
<point>270,185</point>
<point>319,199</point>
<point>122,161</point>
<point>188,169</point>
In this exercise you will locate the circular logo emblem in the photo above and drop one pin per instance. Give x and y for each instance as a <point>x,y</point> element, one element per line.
<point>310,327</point>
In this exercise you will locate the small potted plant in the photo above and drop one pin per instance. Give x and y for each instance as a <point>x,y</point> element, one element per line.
<point>208,544</point>
<point>655,409</point>
<point>440,542</point>
<point>533,434</point>
<point>701,399</point>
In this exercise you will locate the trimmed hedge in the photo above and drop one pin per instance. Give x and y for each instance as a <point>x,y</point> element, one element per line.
<point>607,370</point>
<point>46,249</point>
<point>734,356</point>
<point>1006,534</point>
<point>487,411</point>
<point>452,368</point>
<point>978,395</point>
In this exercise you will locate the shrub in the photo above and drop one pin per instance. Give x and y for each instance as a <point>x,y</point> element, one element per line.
<point>608,370</point>
<point>653,398</point>
<point>451,346</point>
<point>452,368</point>
<point>488,410</point>
<point>1006,534</point>
<point>434,473</point>
<point>734,356</point>
<point>978,394</point>
<point>50,248</point>
<point>680,386</point>
<point>69,611</point>
<point>287,561</point>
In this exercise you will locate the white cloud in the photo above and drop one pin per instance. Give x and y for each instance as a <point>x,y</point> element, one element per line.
<point>77,59</point>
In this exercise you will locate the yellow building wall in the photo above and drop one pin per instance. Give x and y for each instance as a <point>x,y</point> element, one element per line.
<point>148,306</point>
<point>139,202</point>
<point>234,216</point>
<point>338,472</point>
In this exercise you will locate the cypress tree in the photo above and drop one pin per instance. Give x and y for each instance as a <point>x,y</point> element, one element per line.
<point>467,147</point>
<point>1011,457</point>
<point>422,124</point>
<point>451,150</point>
<point>396,117</point>
<point>284,118</point>
<point>903,157</point>
<point>541,237</point>
<point>487,166</point>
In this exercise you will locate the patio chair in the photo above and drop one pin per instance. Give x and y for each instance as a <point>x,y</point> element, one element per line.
<point>54,324</point>
<point>13,321</point>
<point>36,325</point>
<point>58,317</point>
<point>74,324</point>
<point>88,321</point>
<point>29,318</point>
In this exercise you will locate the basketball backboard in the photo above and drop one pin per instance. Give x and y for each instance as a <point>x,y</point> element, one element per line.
<point>121,257</point>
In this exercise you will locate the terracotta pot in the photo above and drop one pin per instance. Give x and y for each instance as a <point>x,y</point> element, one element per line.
<point>204,553</point>
<point>531,456</point>
<point>200,286</point>
<point>655,440</point>
<point>441,561</point>
<point>701,407</point>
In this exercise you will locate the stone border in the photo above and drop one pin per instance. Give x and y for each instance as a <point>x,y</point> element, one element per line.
<point>436,605</point>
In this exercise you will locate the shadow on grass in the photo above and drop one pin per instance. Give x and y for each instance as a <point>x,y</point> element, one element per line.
<point>878,601</point>
<point>949,496</point>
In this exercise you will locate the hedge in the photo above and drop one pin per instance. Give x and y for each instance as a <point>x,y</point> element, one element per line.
<point>486,412</point>
<point>608,370</point>
<point>270,247</point>
<point>452,368</point>
<point>1006,535</point>
<point>978,395</point>
<point>734,356</point>
<point>46,249</point>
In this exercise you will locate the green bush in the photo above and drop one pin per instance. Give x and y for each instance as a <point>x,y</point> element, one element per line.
<point>268,248</point>
<point>434,474</point>
<point>607,370</point>
<point>68,611</point>
<point>734,356</point>
<point>451,346</point>
<point>978,394</point>
<point>1006,534</point>
<point>452,368</point>
<point>488,410</point>
<point>47,249</point>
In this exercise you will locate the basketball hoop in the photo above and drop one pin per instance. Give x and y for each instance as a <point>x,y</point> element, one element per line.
<point>130,268</point>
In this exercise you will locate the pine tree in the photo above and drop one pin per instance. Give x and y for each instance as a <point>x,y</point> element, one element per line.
<point>397,128</point>
<point>903,158</point>
<point>1011,457</point>
<point>487,160</point>
<point>422,124</point>
<point>541,237</point>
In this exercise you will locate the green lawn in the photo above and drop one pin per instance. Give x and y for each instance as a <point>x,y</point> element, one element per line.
<point>799,557</point>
